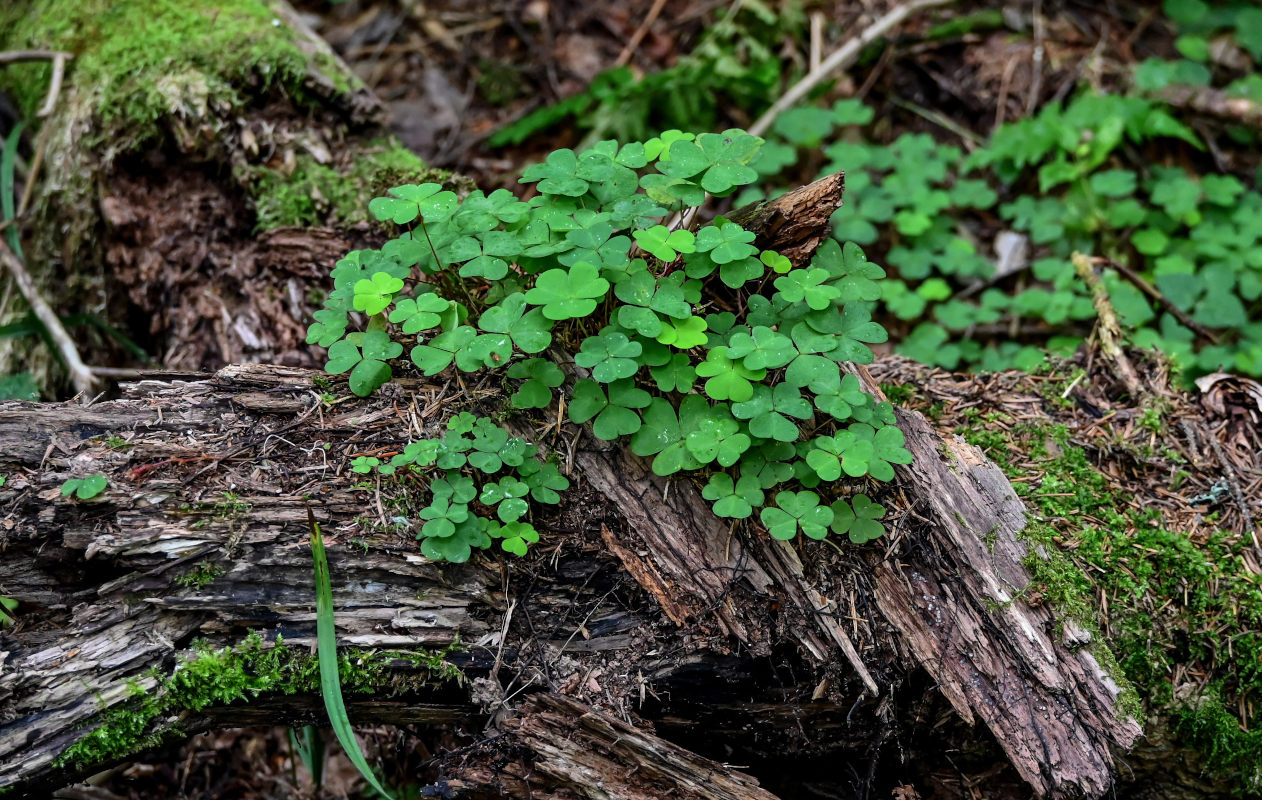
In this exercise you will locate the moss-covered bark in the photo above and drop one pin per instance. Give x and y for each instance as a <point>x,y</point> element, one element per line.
<point>186,131</point>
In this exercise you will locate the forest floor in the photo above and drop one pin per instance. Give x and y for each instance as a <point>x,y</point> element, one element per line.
<point>454,72</point>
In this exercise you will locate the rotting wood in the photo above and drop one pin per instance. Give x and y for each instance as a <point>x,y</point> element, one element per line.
<point>581,752</point>
<point>751,592</point>
<point>102,602</point>
<point>956,603</point>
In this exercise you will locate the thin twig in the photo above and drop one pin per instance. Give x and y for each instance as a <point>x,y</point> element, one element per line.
<point>625,56</point>
<point>59,59</point>
<point>1152,291</point>
<point>80,375</point>
<point>14,56</point>
<point>54,86</point>
<point>839,59</point>
<point>1108,331</point>
<point>1040,36</point>
<point>939,119</point>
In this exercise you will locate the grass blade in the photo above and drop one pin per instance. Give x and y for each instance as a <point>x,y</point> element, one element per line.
<point>309,746</point>
<point>7,213</point>
<point>326,648</point>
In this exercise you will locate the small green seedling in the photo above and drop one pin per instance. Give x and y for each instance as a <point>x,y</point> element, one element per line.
<point>84,488</point>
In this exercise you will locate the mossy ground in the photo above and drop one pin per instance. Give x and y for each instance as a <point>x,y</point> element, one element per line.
<point>318,194</point>
<point>219,677</point>
<point>149,59</point>
<point>1181,611</point>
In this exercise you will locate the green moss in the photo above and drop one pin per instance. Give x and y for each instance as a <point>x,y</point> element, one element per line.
<point>201,575</point>
<point>315,194</point>
<point>221,677</point>
<point>898,393</point>
<point>1170,600</point>
<point>145,60</point>
<point>1216,734</point>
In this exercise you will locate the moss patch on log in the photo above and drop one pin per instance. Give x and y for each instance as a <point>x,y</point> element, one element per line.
<point>311,193</point>
<point>217,677</point>
<point>1184,615</point>
<point>151,59</point>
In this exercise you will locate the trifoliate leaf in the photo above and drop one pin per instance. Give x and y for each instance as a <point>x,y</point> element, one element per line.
<point>565,295</point>
<point>664,243</point>
<point>610,355</point>
<point>372,295</point>
<point>683,334</point>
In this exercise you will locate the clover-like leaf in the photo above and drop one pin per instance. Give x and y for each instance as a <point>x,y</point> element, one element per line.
<point>726,242</point>
<point>683,333</point>
<point>821,375</point>
<point>858,518</point>
<point>428,201</point>
<point>365,360</point>
<point>855,278</point>
<point>84,488</point>
<point>506,495</point>
<point>730,153</point>
<point>735,500</point>
<point>717,437</point>
<point>659,146</point>
<point>420,313</point>
<point>564,295</point>
<point>778,263</point>
<point>664,433</point>
<point>541,377</point>
<point>516,537</point>
<point>825,457</point>
<point>372,295</point>
<point>457,545</point>
<point>437,354</point>
<point>762,348</point>
<point>675,375</point>
<point>610,355</point>
<point>544,480</point>
<point>769,409</point>
<point>613,411</point>
<point>857,328</point>
<point>768,464</point>
<point>794,510</point>
<point>807,285</point>
<point>365,464</point>
<point>530,330</point>
<point>728,379</point>
<point>442,515</point>
<point>329,326</point>
<point>557,175</point>
<point>483,212</point>
<point>664,243</point>
<point>867,451</point>
<point>846,402</point>
<point>665,295</point>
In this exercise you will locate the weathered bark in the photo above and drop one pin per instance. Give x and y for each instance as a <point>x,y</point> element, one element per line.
<point>99,581</point>
<point>260,429</point>
<point>937,599</point>
<point>576,751</point>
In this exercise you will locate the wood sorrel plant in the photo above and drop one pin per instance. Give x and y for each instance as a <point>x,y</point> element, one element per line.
<point>710,355</point>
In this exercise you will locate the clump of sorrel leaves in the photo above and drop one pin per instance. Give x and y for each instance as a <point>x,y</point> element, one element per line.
<point>712,355</point>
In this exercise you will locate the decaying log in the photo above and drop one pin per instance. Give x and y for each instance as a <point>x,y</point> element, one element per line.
<point>580,752</point>
<point>99,581</point>
<point>943,595</point>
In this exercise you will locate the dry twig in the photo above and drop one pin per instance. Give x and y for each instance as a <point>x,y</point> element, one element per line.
<point>839,59</point>
<point>1108,330</point>
<point>80,375</point>
<point>625,56</point>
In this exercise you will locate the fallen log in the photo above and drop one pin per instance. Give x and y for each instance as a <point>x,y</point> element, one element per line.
<point>201,165</point>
